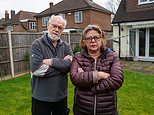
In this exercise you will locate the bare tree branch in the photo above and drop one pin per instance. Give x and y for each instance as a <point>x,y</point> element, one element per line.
<point>113,5</point>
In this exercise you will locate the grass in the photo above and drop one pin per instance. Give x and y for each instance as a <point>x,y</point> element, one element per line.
<point>136,97</point>
<point>15,96</point>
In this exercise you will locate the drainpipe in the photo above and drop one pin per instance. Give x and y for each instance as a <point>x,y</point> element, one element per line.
<point>119,40</point>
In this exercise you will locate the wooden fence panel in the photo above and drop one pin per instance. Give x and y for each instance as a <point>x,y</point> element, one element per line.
<point>20,46</point>
<point>21,42</point>
<point>74,38</point>
<point>4,55</point>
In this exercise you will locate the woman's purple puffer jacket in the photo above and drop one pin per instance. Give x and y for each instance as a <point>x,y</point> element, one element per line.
<point>96,98</point>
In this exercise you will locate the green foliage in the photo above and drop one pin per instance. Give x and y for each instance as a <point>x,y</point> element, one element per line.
<point>135,97</point>
<point>77,48</point>
<point>15,97</point>
<point>27,56</point>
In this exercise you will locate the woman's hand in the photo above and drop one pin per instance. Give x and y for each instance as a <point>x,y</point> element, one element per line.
<point>80,70</point>
<point>102,75</point>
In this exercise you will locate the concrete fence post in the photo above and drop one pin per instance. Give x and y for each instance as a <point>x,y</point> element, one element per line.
<point>11,54</point>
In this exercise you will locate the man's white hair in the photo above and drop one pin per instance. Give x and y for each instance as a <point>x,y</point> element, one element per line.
<point>58,16</point>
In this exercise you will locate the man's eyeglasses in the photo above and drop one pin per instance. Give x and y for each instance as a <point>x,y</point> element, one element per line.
<point>56,26</point>
<point>90,39</point>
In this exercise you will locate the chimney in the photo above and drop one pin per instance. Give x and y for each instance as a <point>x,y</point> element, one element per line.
<point>13,15</point>
<point>6,15</point>
<point>51,5</point>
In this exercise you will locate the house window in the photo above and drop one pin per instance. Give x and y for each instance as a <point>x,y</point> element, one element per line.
<point>78,17</point>
<point>132,41</point>
<point>45,21</point>
<point>10,28</point>
<point>151,42</point>
<point>32,26</point>
<point>63,15</point>
<point>142,41</point>
<point>145,1</point>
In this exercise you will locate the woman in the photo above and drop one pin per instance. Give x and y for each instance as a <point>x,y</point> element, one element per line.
<point>96,74</point>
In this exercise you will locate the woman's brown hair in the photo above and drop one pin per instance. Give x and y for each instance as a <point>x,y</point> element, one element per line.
<point>89,28</point>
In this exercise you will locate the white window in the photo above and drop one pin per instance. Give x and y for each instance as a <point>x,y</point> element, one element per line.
<point>78,17</point>
<point>145,1</point>
<point>32,26</point>
<point>45,21</point>
<point>141,42</point>
<point>132,42</point>
<point>63,15</point>
<point>151,42</point>
<point>10,28</point>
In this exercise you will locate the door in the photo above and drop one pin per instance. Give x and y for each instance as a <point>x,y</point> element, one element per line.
<point>142,41</point>
<point>151,42</point>
<point>132,42</point>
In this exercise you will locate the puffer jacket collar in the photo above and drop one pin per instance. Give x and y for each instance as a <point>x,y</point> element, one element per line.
<point>104,51</point>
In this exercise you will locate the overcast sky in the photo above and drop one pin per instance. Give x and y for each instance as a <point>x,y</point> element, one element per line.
<point>31,5</point>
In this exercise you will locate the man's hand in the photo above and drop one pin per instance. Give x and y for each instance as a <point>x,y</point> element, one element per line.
<point>68,57</point>
<point>47,62</point>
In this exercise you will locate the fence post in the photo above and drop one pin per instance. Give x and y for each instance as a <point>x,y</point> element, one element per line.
<point>69,38</point>
<point>11,54</point>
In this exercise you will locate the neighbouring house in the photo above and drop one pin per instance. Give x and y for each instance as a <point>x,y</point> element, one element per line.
<point>23,21</point>
<point>78,13</point>
<point>133,30</point>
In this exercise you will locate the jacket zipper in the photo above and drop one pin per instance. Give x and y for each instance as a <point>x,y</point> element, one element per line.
<point>95,105</point>
<point>95,94</point>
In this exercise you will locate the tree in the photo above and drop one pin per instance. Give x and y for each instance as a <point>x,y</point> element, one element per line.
<point>113,5</point>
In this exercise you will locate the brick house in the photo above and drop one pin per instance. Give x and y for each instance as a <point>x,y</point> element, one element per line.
<point>133,26</point>
<point>23,21</point>
<point>78,13</point>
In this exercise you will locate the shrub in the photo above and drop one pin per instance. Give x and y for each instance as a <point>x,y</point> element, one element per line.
<point>26,57</point>
<point>77,48</point>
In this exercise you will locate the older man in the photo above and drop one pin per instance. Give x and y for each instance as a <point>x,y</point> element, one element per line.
<point>50,60</point>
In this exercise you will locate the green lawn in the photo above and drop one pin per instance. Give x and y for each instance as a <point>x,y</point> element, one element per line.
<point>136,97</point>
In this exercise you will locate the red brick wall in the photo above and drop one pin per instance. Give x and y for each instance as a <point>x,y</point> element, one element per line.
<point>18,28</point>
<point>101,19</point>
<point>71,21</point>
<point>133,5</point>
<point>39,24</point>
<point>89,17</point>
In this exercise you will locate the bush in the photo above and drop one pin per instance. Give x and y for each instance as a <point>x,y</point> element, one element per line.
<point>27,59</point>
<point>77,48</point>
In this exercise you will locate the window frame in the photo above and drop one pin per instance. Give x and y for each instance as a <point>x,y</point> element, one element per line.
<point>32,26</point>
<point>147,53</point>
<point>78,17</point>
<point>145,2</point>
<point>45,20</point>
<point>63,15</point>
<point>10,28</point>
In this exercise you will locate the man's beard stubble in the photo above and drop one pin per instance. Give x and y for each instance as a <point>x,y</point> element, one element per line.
<point>53,37</point>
